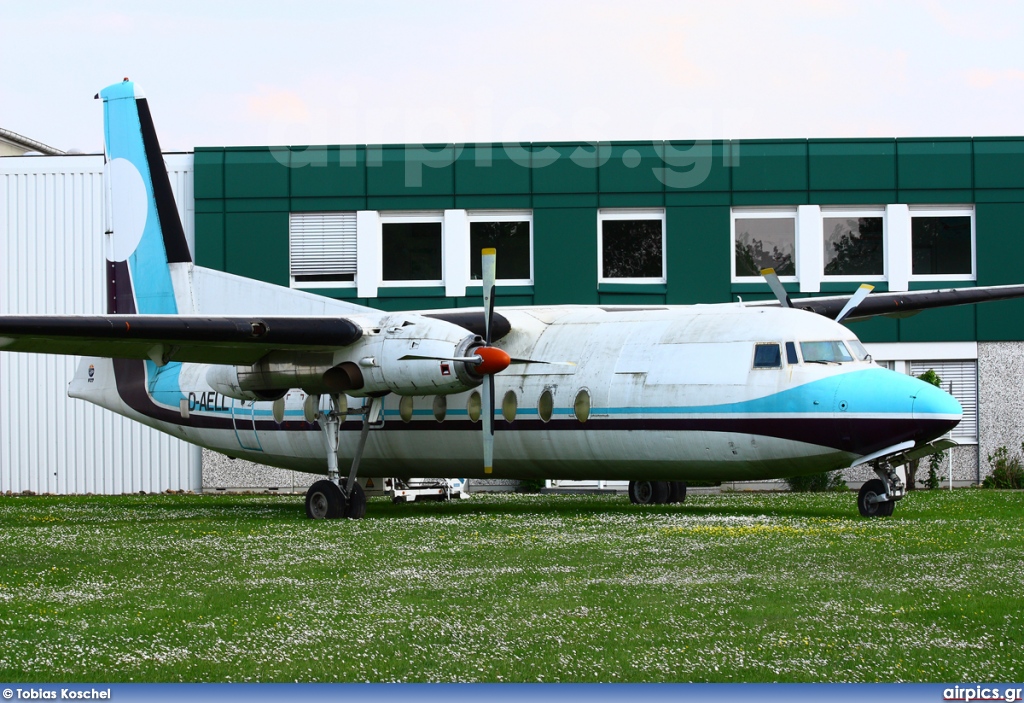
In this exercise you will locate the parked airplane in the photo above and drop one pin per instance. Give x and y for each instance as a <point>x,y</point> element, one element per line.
<point>657,395</point>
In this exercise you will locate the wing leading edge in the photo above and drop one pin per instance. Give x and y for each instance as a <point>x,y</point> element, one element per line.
<point>163,338</point>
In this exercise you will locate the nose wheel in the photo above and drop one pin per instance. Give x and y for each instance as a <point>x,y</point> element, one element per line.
<point>877,497</point>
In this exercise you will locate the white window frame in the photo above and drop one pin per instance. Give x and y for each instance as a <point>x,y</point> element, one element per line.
<point>944,211</point>
<point>856,212</point>
<point>501,216</point>
<point>779,213</point>
<point>387,218</point>
<point>632,214</point>
<point>337,284</point>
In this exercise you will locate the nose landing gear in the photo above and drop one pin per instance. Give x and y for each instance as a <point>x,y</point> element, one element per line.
<point>877,497</point>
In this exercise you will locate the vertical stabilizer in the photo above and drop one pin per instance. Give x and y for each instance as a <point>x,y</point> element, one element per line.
<point>146,235</point>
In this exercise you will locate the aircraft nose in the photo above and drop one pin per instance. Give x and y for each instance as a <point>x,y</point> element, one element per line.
<point>935,411</point>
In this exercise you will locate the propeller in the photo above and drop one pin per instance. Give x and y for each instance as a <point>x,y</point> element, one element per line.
<point>772,279</point>
<point>487,270</point>
<point>775,284</point>
<point>855,300</point>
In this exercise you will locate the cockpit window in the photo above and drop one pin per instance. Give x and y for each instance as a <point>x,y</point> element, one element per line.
<point>858,349</point>
<point>791,353</point>
<point>824,352</point>
<point>767,356</point>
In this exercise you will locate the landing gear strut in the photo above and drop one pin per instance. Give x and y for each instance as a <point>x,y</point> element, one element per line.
<point>333,497</point>
<point>877,497</point>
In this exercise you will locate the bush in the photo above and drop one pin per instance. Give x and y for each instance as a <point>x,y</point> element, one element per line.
<point>817,483</point>
<point>1007,470</point>
<point>530,485</point>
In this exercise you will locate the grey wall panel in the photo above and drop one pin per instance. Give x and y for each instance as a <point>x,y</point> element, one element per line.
<point>51,262</point>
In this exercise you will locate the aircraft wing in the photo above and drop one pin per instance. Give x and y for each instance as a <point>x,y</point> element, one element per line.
<point>906,303</point>
<point>163,338</point>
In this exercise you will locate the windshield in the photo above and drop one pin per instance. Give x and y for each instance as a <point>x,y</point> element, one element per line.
<point>858,349</point>
<point>824,352</point>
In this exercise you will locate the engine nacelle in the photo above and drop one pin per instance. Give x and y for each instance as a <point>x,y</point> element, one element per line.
<point>407,354</point>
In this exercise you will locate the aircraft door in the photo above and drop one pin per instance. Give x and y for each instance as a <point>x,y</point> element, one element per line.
<point>244,420</point>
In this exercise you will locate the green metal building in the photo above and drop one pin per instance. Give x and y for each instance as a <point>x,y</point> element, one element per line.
<point>399,226</point>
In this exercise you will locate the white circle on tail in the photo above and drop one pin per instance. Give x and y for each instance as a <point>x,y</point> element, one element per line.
<point>129,209</point>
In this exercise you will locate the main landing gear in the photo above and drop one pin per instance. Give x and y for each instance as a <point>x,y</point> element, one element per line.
<point>334,498</point>
<point>877,497</point>
<point>657,492</point>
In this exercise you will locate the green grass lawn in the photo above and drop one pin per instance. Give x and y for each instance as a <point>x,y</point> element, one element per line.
<point>732,587</point>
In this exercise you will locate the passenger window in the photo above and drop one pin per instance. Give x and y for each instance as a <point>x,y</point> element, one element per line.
<point>767,356</point>
<point>509,405</point>
<point>546,405</point>
<point>791,353</point>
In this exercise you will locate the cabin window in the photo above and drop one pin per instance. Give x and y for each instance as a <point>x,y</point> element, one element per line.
<point>765,239</point>
<point>854,243</point>
<point>473,407</point>
<point>767,356</point>
<point>545,406</point>
<point>322,249</point>
<point>509,405</point>
<point>510,234</point>
<point>405,408</point>
<point>440,407</point>
<point>581,406</point>
<point>631,246</point>
<point>411,248</point>
<point>824,352</point>
<point>791,353</point>
<point>942,244</point>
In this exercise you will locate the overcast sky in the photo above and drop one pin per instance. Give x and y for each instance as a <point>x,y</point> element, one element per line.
<point>297,72</point>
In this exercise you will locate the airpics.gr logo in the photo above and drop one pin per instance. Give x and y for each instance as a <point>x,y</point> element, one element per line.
<point>92,373</point>
<point>981,693</point>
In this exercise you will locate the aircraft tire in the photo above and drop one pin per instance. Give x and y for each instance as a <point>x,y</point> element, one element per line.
<point>355,507</point>
<point>870,489</point>
<point>649,492</point>
<point>677,491</point>
<point>325,501</point>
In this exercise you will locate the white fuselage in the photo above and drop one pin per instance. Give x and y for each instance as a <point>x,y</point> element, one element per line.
<point>655,393</point>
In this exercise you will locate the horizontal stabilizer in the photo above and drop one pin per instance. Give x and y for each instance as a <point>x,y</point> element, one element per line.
<point>163,338</point>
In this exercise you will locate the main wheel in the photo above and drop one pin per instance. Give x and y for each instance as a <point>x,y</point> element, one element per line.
<point>676,491</point>
<point>356,505</point>
<point>325,501</point>
<point>869,490</point>
<point>648,492</point>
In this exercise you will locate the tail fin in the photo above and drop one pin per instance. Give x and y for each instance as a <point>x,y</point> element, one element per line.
<point>146,235</point>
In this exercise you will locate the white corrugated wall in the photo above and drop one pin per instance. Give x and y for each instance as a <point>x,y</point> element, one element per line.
<point>51,263</point>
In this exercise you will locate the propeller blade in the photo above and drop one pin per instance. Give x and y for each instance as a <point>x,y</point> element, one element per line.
<point>487,271</point>
<point>854,301</point>
<point>776,285</point>
<point>487,416</point>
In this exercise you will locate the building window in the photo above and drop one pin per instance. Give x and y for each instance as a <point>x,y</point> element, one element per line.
<point>322,249</point>
<point>960,380</point>
<point>511,235</point>
<point>854,243</point>
<point>764,239</point>
<point>631,246</point>
<point>942,243</point>
<point>412,249</point>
